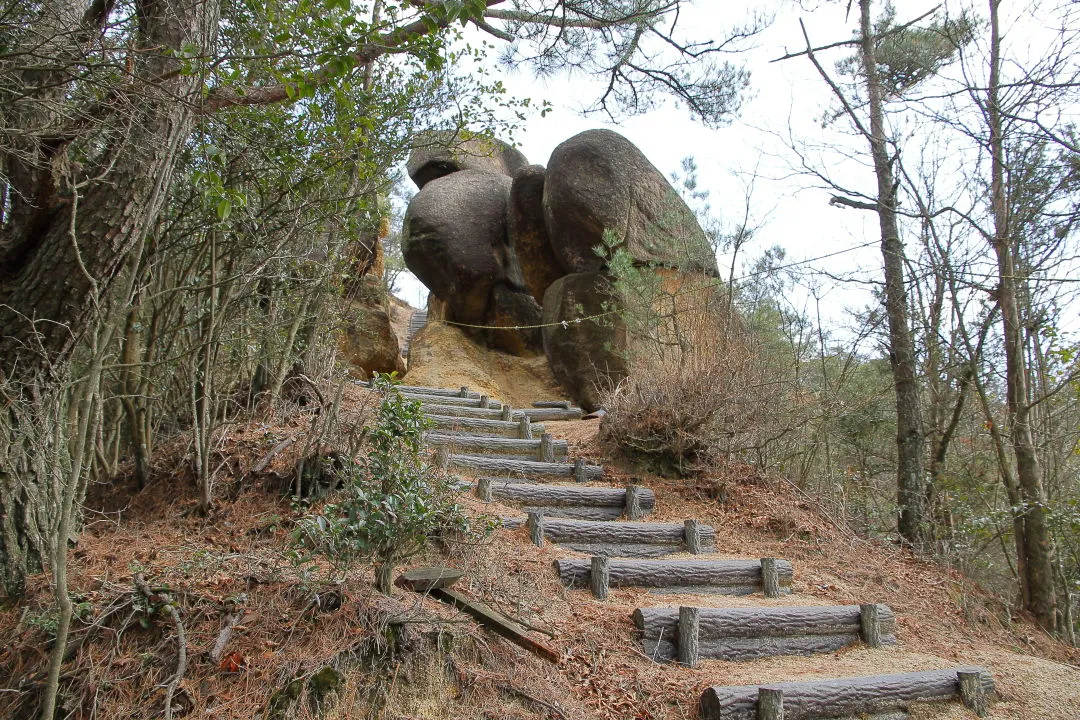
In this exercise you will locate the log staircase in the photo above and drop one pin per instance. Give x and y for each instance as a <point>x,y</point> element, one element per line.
<point>565,502</point>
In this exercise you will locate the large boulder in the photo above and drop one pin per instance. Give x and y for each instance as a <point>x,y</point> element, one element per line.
<point>528,234</point>
<point>584,356</point>
<point>598,180</point>
<point>450,233</point>
<point>367,340</point>
<point>437,154</point>
<point>509,308</point>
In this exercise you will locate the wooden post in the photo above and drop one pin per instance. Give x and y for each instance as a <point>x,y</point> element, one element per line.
<point>506,412</point>
<point>633,502</point>
<point>525,428</point>
<point>692,536</point>
<point>689,636</point>
<point>600,577</point>
<point>972,691</point>
<point>579,470</point>
<point>442,457</point>
<point>484,401</point>
<point>547,448</point>
<point>483,489</point>
<point>770,704</point>
<point>869,625</point>
<point>464,392</point>
<point>770,579</point>
<point>535,524</point>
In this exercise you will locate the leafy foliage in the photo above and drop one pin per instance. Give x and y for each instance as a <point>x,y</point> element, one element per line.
<point>392,500</point>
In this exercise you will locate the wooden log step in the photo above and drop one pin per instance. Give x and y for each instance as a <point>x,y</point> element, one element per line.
<point>574,501</point>
<point>445,392</point>
<point>628,539</point>
<point>846,697</point>
<point>469,412</point>
<point>541,414</point>
<point>474,444</point>
<point>524,467</point>
<point>560,404</point>
<point>477,426</point>
<point>725,577</point>
<point>742,634</point>
<point>453,401</point>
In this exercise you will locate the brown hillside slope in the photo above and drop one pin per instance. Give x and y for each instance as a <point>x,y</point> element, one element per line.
<point>410,657</point>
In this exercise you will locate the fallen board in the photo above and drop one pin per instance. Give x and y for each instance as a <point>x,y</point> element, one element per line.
<point>835,698</point>
<point>742,634</point>
<point>574,501</point>
<point>476,426</point>
<point>470,444</point>
<point>497,623</point>
<point>521,467</point>
<point>425,579</point>
<point>624,539</point>
<point>727,577</point>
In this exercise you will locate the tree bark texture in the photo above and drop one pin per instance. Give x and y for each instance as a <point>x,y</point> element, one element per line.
<point>741,634</point>
<point>1037,576</point>
<point>841,697</point>
<point>909,424</point>
<point>730,577</point>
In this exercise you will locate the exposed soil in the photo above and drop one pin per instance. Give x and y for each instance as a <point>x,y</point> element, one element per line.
<point>411,657</point>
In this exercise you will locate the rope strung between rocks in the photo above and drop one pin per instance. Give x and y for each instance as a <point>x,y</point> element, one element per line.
<point>576,321</point>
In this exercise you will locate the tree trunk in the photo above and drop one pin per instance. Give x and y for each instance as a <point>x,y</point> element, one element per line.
<point>1037,577</point>
<point>72,226</point>
<point>909,424</point>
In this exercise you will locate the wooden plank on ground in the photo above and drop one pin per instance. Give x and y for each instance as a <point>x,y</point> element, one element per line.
<point>496,622</point>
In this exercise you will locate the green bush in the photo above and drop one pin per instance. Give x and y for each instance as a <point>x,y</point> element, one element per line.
<point>391,500</point>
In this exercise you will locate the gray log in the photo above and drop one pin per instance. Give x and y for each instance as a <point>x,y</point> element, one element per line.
<point>560,404</point>
<point>635,502</point>
<point>525,427</point>
<point>425,579</point>
<point>473,444</point>
<point>599,576</point>
<point>521,467</point>
<point>534,414</point>
<point>719,576</point>
<point>475,426</point>
<point>452,401</point>
<point>742,634</point>
<point>870,625</point>
<point>547,448</point>
<point>464,392</point>
<point>579,472</point>
<point>535,524</point>
<point>468,412</point>
<point>770,704</point>
<point>445,392</point>
<point>692,537</point>
<point>689,636</point>
<point>569,495</point>
<point>769,582</point>
<point>506,414</point>
<point>839,697</point>
<point>483,489</point>
<point>973,691</point>
<point>626,533</point>
<point>442,457</point>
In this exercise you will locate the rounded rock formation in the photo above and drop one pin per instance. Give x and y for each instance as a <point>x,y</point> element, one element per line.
<point>437,154</point>
<point>598,180</point>
<point>584,356</point>
<point>450,233</point>
<point>528,233</point>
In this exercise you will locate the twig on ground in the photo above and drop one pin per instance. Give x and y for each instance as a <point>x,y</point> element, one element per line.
<point>181,640</point>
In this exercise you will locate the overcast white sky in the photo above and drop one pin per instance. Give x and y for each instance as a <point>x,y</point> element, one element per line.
<point>788,99</point>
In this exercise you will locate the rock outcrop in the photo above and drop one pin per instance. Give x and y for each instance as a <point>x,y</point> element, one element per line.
<point>584,356</point>
<point>598,180</point>
<point>367,340</point>
<point>528,234</point>
<point>437,154</point>
<point>451,230</point>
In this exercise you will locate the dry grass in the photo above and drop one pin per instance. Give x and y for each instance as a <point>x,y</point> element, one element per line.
<point>235,558</point>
